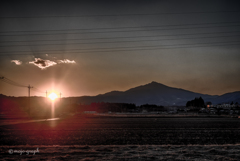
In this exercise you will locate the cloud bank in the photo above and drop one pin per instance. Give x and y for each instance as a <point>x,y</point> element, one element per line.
<point>43,64</point>
<point>17,62</point>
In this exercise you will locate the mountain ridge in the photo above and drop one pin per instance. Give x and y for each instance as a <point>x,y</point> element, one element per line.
<point>159,94</point>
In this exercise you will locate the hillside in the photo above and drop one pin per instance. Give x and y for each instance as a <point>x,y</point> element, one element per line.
<point>159,94</point>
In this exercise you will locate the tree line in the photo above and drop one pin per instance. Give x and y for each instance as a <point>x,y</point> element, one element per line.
<point>197,102</point>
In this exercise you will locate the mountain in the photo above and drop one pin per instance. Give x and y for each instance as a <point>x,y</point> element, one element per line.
<point>159,94</point>
<point>227,98</point>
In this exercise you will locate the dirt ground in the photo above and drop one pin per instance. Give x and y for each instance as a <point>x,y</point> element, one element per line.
<point>129,138</point>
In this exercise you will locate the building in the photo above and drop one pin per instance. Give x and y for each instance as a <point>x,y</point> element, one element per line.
<point>226,106</point>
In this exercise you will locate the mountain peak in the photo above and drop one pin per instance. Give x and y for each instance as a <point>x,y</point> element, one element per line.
<point>154,83</point>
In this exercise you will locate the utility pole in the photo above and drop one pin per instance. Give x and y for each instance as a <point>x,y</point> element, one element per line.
<point>46,94</point>
<point>29,87</point>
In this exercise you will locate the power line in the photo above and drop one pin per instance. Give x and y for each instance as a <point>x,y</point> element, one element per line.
<point>129,27</point>
<point>139,48</point>
<point>125,41</point>
<point>6,80</point>
<point>92,49</point>
<point>37,90</point>
<point>11,82</point>
<point>128,37</point>
<point>123,15</point>
<point>95,32</point>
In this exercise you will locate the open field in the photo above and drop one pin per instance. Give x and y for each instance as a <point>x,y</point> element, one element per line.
<point>108,138</point>
<point>80,130</point>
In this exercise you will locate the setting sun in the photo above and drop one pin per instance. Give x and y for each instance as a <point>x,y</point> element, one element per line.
<point>53,96</point>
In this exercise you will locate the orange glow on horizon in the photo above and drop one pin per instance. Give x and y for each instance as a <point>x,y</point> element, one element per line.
<point>52,96</point>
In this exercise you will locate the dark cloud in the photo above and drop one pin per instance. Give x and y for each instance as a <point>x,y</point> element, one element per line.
<point>43,64</point>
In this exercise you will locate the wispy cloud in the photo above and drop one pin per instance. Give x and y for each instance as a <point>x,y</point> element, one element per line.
<point>17,62</point>
<point>43,64</point>
<point>66,61</point>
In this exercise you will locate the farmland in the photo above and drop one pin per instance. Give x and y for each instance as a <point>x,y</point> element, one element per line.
<point>82,130</point>
<point>130,134</point>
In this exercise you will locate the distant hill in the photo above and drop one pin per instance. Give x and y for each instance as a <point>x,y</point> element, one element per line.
<point>2,96</point>
<point>159,94</point>
<point>227,98</point>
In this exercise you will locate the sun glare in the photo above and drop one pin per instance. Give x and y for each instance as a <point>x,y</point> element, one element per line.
<point>53,96</point>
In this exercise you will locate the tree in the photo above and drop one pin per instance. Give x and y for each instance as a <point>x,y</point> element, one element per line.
<point>197,102</point>
<point>201,102</point>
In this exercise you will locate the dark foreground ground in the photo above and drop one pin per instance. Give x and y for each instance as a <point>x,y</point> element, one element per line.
<point>116,138</point>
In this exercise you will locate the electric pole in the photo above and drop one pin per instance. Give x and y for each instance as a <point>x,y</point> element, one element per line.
<point>29,87</point>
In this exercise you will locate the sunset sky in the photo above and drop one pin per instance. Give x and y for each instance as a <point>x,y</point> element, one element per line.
<point>93,47</point>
